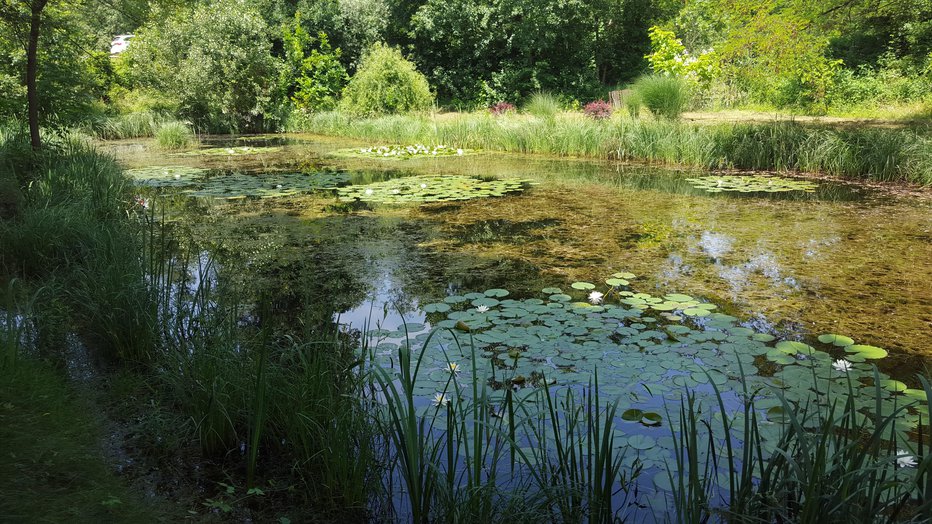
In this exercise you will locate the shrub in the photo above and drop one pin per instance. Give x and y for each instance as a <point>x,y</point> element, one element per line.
<point>173,135</point>
<point>543,105</point>
<point>501,108</point>
<point>599,110</point>
<point>386,83</point>
<point>664,96</point>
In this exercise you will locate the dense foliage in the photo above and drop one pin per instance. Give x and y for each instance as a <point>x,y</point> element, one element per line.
<point>243,65</point>
<point>386,83</point>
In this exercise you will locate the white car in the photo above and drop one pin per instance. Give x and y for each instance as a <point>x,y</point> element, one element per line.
<point>119,44</point>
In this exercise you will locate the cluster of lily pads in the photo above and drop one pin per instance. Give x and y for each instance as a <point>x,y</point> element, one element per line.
<point>196,182</point>
<point>231,151</point>
<point>647,351</point>
<point>428,189</point>
<point>751,184</point>
<point>410,151</point>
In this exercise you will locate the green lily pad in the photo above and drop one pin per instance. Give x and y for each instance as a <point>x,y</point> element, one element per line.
<point>230,151</point>
<point>894,385</point>
<point>431,189</point>
<point>398,152</point>
<point>837,340</point>
<point>584,286</point>
<point>439,307</point>
<point>751,184</point>
<point>865,351</point>
<point>641,442</point>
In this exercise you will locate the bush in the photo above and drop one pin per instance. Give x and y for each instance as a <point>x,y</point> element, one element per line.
<point>599,110</point>
<point>543,105</point>
<point>386,83</point>
<point>173,135</point>
<point>664,96</point>
<point>501,108</point>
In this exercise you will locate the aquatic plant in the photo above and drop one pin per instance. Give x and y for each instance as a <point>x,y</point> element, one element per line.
<point>231,151</point>
<point>196,182</point>
<point>429,189</point>
<point>165,176</point>
<point>402,152</point>
<point>751,184</point>
<point>173,136</point>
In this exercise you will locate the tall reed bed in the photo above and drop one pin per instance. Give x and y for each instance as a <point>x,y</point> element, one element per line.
<point>867,153</point>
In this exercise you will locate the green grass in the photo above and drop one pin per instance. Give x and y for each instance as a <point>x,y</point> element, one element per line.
<point>52,466</point>
<point>543,105</point>
<point>172,136</point>
<point>664,96</point>
<point>898,155</point>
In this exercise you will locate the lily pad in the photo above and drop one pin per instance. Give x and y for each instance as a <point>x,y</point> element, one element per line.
<point>836,340</point>
<point>230,151</point>
<point>431,189</point>
<point>751,184</point>
<point>865,351</point>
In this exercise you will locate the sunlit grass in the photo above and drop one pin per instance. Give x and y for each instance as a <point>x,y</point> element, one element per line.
<point>866,153</point>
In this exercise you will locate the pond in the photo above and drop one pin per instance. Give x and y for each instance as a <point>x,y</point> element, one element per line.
<point>664,280</point>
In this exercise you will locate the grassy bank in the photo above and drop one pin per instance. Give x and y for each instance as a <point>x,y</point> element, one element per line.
<point>53,466</point>
<point>858,153</point>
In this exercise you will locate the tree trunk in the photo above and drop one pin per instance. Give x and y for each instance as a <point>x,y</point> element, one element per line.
<point>32,70</point>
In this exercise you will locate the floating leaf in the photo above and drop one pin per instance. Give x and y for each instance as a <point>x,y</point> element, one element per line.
<point>894,385</point>
<point>751,184</point>
<point>429,189</point>
<point>865,351</point>
<point>230,151</point>
<point>641,442</point>
<point>837,340</point>
<point>584,286</point>
<point>439,307</point>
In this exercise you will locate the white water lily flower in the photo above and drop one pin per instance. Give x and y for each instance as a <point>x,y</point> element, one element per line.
<point>453,367</point>
<point>177,176</point>
<point>441,399</point>
<point>459,152</point>
<point>595,297</point>
<point>396,191</point>
<point>482,309</point>
<point>423,186</point>
<point>369,191</point>
<point>278,186</point>
<point>905,460</point>
<point>842,365</point>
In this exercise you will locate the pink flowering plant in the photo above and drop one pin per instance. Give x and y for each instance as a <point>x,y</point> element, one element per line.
<point>501,108</point>
<point>599,110</point>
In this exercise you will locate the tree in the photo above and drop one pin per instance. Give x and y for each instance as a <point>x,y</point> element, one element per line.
<point>386,83</point>
<point>17,14</point>
<point>216,61</point>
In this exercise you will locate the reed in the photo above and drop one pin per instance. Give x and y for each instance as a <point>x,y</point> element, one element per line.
<point>890,155</point>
